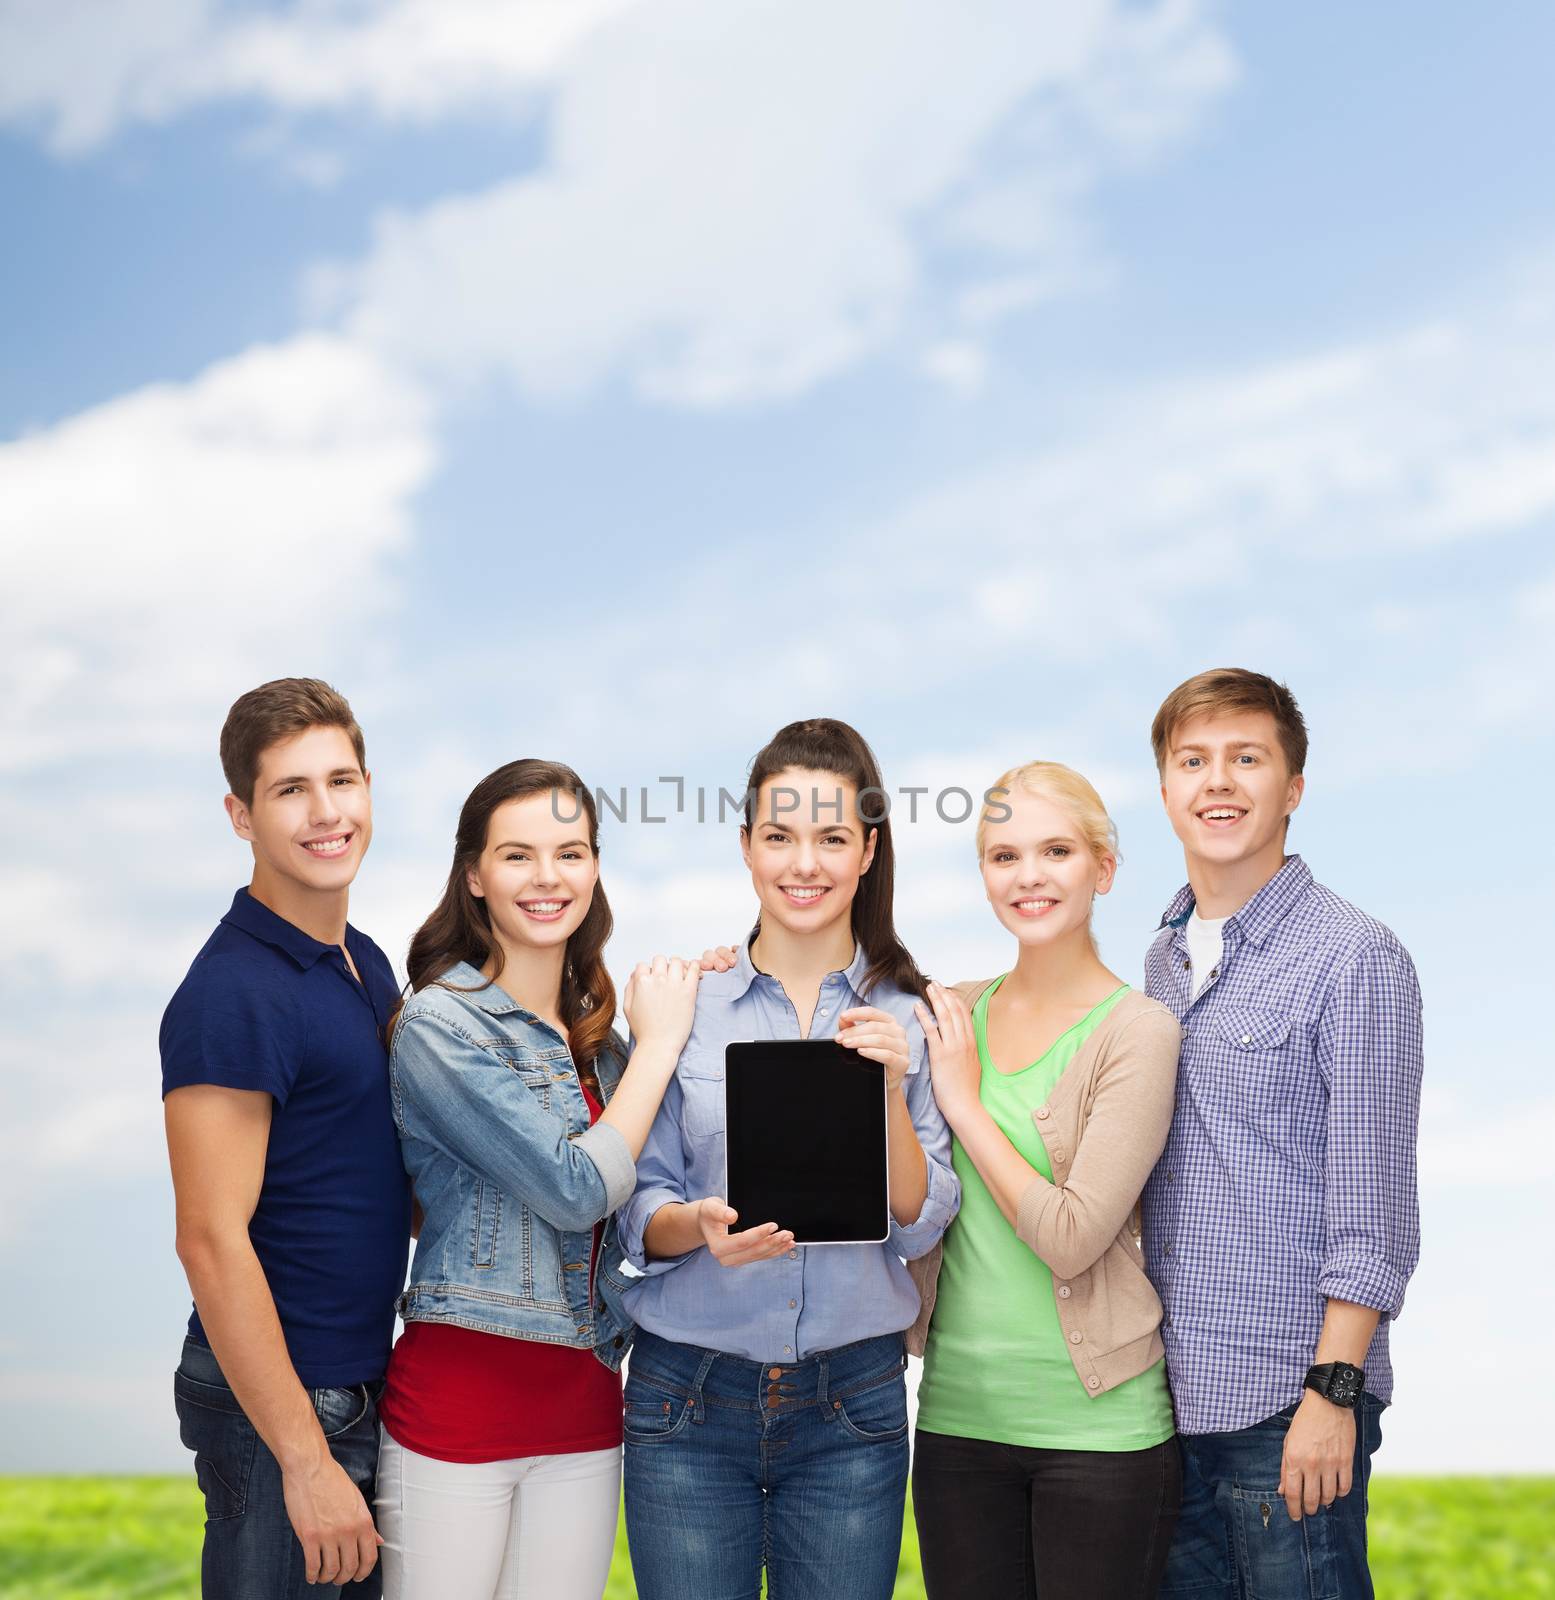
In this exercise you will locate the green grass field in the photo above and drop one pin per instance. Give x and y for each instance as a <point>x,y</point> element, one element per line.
<point>139,1539</point>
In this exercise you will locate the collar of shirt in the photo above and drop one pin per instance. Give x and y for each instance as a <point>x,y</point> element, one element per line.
<point>1262,914</point>
<point>472,985</point>
<point>745,971</point>
<point>260,922</point>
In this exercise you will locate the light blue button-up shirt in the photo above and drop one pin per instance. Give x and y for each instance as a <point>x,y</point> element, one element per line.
<point>816,1297</point>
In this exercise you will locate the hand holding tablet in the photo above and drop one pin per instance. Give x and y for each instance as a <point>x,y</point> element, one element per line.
<point>805,1124</point>
<point>761,1242</point>
<point>878,1035</point>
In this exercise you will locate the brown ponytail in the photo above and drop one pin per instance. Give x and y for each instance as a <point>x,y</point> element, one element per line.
<point>822,744</point>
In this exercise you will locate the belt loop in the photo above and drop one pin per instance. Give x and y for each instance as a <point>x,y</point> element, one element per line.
<point>698,1407</point>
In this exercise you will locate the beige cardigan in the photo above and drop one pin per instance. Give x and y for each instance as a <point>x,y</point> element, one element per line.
<point>1104,1126</point>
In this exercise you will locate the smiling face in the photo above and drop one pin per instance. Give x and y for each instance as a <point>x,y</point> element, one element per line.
<point>536,873</point>
<point>311,816</point>
<point>807,850</point>
<point>1228,790</point>
<point>1039,873</point>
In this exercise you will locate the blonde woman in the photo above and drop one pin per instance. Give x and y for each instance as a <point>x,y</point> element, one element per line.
<point>1046,1457</point>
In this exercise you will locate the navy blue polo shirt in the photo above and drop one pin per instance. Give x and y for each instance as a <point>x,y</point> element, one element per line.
<point>267,1007</point>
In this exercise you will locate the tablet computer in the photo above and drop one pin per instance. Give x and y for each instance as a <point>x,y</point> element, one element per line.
<point>806,1140</point>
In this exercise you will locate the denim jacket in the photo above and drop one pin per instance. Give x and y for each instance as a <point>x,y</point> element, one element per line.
<point>510,1176</point>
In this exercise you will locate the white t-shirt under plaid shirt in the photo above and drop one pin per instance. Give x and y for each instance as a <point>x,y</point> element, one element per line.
<point>1288,1178</point>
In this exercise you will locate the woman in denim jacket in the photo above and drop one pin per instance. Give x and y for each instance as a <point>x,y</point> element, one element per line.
<point>766,1413</point>
<point>521,1122</point>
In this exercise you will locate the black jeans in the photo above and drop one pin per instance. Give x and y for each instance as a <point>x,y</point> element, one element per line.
<point>1007,1521</point>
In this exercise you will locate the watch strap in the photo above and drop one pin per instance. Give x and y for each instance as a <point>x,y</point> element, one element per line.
<point>1338,1382</point>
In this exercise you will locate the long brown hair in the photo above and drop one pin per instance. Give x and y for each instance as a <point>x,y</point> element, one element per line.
<point>822,744</point>
<point>459,929</point>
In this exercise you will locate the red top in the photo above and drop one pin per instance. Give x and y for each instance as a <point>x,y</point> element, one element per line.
<point>458,1394</point>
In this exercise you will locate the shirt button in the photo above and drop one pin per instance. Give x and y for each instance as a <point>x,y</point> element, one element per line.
<point>1171,1177</point>
<point>1167,1250</point>
<point>793,1305</point>
<point>788,1349</point>
<point>793,1255</point>
<point>1187,966</point>
<point>1074,1338</point>
<point>1247,1038</point>
<point>1063,1291</point>
<point>1093,1383</point>
<point>825,1011</point>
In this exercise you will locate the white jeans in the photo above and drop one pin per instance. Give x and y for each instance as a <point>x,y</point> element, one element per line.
<point>536,1528</point>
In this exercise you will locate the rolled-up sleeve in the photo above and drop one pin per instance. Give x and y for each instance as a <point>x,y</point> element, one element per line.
<point>1369,1051</point>
<point>457,1096</point>
<point>661,1181</point>
<point>943,1197</point>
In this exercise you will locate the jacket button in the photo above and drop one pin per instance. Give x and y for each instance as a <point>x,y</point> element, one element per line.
<point>1074,1338</point>
<point>1063,1291</point>
<point>583,1330</point>
<point>1058,1155</point>
<point>1093,1383</point>
<point>1044,1112</point>
<point>618,1341</point>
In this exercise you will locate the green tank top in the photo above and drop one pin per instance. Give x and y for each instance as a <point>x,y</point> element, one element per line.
<point>997,1365</point>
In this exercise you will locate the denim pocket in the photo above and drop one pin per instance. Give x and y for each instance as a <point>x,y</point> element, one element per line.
<point>340,1410</point>
<point>211,1423</point>
<point>876,1415</point>
<point>1282,1558</point>
<point>650,1414</point>
<point>486,1226</point>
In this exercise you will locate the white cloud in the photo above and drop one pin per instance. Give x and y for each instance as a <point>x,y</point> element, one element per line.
<point>733,213</point>
<point>81,70</point>
<point>1464,1146</point>
<point>163,551</point>
<point>169,543</point>
<point>960,364</point>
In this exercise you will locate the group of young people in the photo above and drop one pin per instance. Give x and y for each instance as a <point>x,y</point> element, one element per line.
<point>1148,1244</point>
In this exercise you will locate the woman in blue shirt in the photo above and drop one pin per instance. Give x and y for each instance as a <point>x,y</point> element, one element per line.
<point>766,1413</point>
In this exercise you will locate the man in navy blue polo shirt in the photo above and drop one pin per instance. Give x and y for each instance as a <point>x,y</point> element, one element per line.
<point>293,1207</point>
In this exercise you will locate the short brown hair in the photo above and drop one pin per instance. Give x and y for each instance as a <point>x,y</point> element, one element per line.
<point>1222,690</point>
<point>279,710</point>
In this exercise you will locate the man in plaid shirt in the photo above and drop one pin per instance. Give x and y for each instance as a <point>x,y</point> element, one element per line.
<point>1281,1224</point>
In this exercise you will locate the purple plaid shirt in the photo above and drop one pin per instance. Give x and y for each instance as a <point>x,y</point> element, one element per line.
<point>1288,1178</point>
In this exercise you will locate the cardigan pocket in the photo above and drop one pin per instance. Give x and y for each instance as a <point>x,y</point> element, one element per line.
<point>1132,1307</point>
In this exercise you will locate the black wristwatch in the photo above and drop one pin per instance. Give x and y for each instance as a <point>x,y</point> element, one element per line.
<point>1338,1382</point>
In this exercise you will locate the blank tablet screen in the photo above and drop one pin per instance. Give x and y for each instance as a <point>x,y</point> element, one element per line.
<point>807,1140</point>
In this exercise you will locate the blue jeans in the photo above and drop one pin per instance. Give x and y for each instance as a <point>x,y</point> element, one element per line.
<point>250,1550</point>
<point>1235,1539</point>
<point>732,1465</point>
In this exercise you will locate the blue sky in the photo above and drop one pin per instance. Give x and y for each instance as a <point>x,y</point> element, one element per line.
<point>616,380</point>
